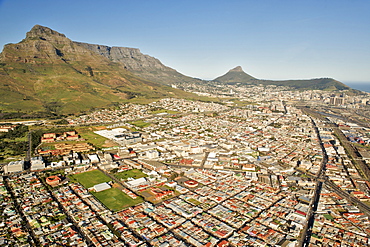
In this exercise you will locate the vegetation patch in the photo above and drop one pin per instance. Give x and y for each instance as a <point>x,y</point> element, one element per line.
<point>115,199</point>
<point>194,202</point>
<point>140,124</point>
<point>14,143</point>
<point>241,103</point>
<point>88,134</point>
<point>90,178</point>
<point>134,173</point>
<point>328,216</point>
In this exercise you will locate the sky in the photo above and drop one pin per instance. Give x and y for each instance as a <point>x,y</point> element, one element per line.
<point>270,39</point>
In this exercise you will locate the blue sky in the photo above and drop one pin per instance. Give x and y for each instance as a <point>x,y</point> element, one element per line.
<point>270,39</point>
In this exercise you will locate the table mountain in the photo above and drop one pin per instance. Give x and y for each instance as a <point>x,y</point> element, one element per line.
<point>48,72</point>
<point>140,64</point>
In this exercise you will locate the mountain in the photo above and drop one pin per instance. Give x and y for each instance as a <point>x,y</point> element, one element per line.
<point>237,75</point>
<point>48,72</point>
<point>145,66</point>
<point>152,69</point>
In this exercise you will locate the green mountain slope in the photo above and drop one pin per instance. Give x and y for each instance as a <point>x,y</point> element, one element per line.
<point>48,72</point>
<point>237,75</point>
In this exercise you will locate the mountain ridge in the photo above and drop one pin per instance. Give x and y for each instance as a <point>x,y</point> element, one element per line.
<point>137,63</point>
<point>237,75</point>
<point>48,71</point>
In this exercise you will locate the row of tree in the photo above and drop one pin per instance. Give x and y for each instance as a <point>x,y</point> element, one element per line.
<point>18,132</point>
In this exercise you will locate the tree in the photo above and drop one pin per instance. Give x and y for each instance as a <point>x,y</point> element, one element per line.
<point>89,71</point>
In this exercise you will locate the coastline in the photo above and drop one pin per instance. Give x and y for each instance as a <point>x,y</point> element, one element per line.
<point>363,86</point>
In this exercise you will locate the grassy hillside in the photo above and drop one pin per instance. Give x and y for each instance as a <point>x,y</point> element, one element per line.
<point>48,72</point>
<point>327,84</point>
<point>237,76</point>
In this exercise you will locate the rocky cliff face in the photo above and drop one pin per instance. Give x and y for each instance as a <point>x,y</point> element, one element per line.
<point>140,64</point>
<point>132,58</point>
<point>43,45</point>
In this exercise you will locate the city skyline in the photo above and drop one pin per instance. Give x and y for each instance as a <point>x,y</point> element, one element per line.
<point>269,39</point>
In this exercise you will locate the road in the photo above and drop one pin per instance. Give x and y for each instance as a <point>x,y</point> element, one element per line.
<point>204,160</point>
<point>322,180</point>
<point>29,151</point>
<point>310,218</point>
<point>351,151</point>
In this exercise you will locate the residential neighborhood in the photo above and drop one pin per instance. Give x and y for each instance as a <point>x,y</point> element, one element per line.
<point>196,174</point>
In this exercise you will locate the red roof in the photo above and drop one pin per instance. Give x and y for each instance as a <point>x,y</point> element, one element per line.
<point>223,243</point>
<point>300,212</point>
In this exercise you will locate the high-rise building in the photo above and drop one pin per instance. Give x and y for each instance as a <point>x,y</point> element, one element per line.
<point>37,163</point>
<point>14,166</point>
<point>336,100</point>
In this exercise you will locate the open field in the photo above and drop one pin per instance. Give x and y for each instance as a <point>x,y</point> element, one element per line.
<point>115,199</point>
<point>134,173</point>
<point>140,124</point>
<point>239,102</point>
<point>90,178</point>
<point>97,140</point>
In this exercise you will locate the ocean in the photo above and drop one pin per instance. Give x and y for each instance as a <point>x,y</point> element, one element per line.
<point>363,86</point>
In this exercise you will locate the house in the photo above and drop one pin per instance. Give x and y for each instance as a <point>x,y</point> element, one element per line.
<point>6,128</point>
<point>152,154</point>
<point>132,163</point>
<point>249,167</point>
<point>52,137</point>
<point>49,135</point>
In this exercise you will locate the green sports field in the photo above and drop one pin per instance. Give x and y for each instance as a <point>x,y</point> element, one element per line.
<point>115,199</point>
<point>90,178</point>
